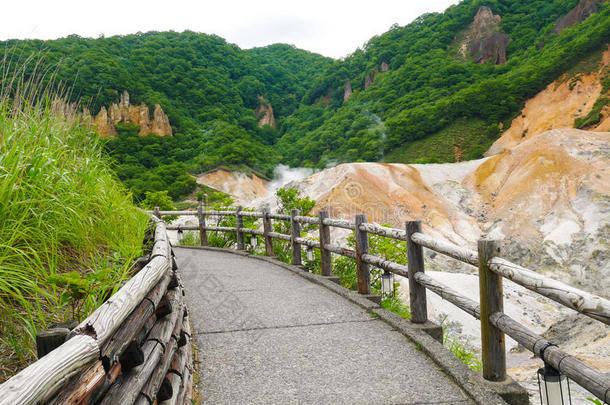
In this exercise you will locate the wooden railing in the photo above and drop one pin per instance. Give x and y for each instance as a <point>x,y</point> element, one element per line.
<point>134,349</point>
<point>492,269</point>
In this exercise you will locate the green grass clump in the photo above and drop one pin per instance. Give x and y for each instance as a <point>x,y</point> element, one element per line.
<point>396,305</point>
<point>61,210</point>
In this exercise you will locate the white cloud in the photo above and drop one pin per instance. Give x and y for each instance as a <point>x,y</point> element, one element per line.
<point>332,28</point>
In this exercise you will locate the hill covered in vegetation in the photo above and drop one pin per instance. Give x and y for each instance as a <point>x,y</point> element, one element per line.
<point>441,88</point>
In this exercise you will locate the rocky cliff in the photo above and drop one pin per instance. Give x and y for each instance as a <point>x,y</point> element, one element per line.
<point>264,113</point>
<point>558,106</point>
<point>123,112</point>
<point>578,14</point>
<point>347,92</point>
<point>241,186</point>
<point>483,40</point>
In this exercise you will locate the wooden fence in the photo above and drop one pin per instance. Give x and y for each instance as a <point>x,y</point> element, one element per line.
<point>134,349</point>
<point>492,270</point>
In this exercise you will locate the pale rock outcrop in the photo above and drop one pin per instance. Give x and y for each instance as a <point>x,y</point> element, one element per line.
<point>264,113</point>
<point>124,112</point>
<point>483,39</point>
<point>103,125</point>
<point>347,93</point>
<point>369,79</point>
<point>384,67</point>
<point>243,187</point>
<point>160,124</point>
<point>578,14</point>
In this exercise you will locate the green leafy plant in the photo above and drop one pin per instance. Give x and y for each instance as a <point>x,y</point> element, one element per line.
<point>77,286</point>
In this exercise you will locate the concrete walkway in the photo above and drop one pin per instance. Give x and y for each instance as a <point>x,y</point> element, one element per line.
<point>268,336</point>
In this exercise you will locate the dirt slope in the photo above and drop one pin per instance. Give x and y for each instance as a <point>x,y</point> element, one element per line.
<point>557,106</point>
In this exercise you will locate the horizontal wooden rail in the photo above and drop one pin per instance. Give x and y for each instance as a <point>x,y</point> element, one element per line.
<point>252,214</point>
<point>179,213</point>
<point>391,233</point>
<point>251,231</point>
<point>220,228</point>
<point>183,227</point>
<point>340,251</point>
<point>385,264</point>
<point>595,382</point>
<point>308,242</point>
<point>444,291</point>
<point>581,301</point>
<point>280,236</point>
<point>446,248</point>
<point>339,223</point>
<point>281,217</point>
<point>307,220</point>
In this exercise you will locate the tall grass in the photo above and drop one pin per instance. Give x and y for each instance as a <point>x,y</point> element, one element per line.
<point>61,209</point>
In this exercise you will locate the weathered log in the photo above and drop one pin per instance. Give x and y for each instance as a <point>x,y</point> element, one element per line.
<point>281,217</point>
<point>391,233</point>
<point>417,292</point>
<point>139,320</point>
<point>592,380</point>
<point>154,383</point>
<point>252,214</point>
<point>220,229</point>
<point>252,231</point>
<point>79,390</point>
<point>175,375</point>
<point>307,220</point>
<point>267,229</point>
<point>185,227</point>
<point>40,380</point>
<point>129,385</point>
<point>586,303</point>
<point>385,264</point>
<point>449,294</point>
<point>339,223</point>
<point>280,236</point>
<point>325,257</point>
<point>104,321</point>
<point>493,355</point>
<point>362,248</point>
<point>50,339</point>
<point>446,248</point>
<point>174,381</point>
<point>295,230</point>
<point>193,213</point>
<point>160,248</point>
<point>340,251</point>
<point>308,242</point>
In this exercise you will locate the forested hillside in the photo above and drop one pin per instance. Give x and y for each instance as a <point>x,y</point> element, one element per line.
<point>439,89</point>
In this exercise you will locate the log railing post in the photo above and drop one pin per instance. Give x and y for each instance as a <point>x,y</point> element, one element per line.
<point>493,355</point>
<point>417,292</point>
<point>362,248</point>
<point>203,235</point>
<point>239,224</point>
<point>295,230</point>
<point>266,230</point>
<point>156,212</point>
<point>325,258</point>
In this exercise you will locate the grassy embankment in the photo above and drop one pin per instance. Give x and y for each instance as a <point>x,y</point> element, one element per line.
<point>62,210</point>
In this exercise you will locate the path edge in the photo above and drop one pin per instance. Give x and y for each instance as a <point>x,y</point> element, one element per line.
<point>471,382</point>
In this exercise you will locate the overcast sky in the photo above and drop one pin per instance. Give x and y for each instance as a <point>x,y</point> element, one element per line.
<point>332,28</point>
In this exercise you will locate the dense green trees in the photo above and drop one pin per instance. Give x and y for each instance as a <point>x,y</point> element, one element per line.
<point>210,90</point>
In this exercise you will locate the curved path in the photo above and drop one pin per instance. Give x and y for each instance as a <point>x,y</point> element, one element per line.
<point>267,335</point>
